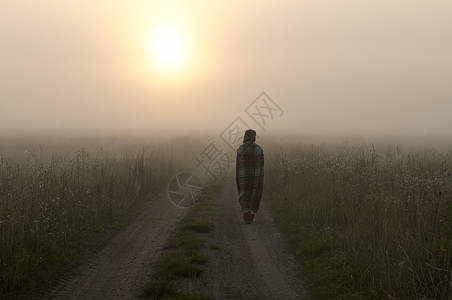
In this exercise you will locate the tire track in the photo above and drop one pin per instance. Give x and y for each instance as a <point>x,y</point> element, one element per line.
<point>251,262</point>
<point>121,268</point>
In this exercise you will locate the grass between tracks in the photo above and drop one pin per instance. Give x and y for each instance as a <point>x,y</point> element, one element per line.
<point>183,255</point>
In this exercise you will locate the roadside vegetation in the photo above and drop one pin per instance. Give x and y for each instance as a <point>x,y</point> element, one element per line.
<point>57,204</point>
<point>183,256</point>
<point>365,222</point>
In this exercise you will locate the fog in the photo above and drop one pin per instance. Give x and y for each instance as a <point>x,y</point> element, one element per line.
<point>358,67</point>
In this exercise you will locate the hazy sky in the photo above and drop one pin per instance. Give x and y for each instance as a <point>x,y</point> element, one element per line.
<point>334,66</point>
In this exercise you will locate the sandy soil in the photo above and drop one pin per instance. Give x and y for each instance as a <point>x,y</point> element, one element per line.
<point>247,262</point>
<point>251,262</point>
<point>121,268</point>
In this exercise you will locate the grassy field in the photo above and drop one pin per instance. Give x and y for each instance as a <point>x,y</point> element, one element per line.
<point>365,221</point>
<point>60,196</point>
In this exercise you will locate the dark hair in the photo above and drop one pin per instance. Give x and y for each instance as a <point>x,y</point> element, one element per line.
<point>250,135</point>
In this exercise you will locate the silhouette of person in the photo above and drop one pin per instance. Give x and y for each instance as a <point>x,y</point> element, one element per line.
<point>249,175</point>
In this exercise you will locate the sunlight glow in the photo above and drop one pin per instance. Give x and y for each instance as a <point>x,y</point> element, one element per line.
<point>168,48</point>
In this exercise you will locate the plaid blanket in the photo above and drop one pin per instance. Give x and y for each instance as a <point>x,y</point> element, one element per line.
<point>249,176</point>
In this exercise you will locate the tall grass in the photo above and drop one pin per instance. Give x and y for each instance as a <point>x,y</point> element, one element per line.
<point>365,222</point>
<point>50,203</point>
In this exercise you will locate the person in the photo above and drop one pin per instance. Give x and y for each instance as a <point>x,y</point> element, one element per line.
<point>249,175</point>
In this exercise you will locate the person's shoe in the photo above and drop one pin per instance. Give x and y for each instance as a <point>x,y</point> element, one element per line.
<point>247,217</point>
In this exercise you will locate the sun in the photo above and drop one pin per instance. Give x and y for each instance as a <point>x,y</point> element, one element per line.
<point>168,48</point>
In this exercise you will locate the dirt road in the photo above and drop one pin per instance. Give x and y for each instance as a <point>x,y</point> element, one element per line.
<point>249,261</point>
<point>120,269</point>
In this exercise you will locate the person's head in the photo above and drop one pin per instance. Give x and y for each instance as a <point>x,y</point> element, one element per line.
<point>250,135</point>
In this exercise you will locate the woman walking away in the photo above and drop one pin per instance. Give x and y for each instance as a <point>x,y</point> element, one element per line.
<point>249,175</point>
